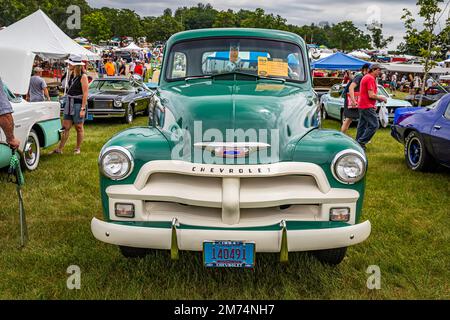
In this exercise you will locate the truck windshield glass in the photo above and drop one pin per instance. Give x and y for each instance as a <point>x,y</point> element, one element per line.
<point>265,58</point>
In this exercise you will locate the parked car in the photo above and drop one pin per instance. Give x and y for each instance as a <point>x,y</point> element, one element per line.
<point>233,162</point>
<point>126,55</point>
<point>37,125</point>
<point>118,97</point>
<point>425,133</point>
<point>332,103</point>
<point>431,95</point>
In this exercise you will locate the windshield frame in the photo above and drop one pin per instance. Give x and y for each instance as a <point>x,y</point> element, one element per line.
<point>98,87</point>
<point>305,63</point>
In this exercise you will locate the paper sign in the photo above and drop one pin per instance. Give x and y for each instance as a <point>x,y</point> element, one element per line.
<point>274,67</point>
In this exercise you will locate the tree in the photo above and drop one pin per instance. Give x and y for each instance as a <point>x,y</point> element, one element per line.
<point>161,28</point>
<point>346,36</point>
<point>225,19</point>
<point>426,40</point>
<point>96,27</point>
<point>378,40</point>
<point>199,17</point>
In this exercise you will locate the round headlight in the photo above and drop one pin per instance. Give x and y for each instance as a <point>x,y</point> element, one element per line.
<point>116,163</point>
<point>349,166</point>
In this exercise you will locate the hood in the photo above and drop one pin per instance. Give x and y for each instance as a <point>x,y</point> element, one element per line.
<point>226,111</point>
<point>391,102</point>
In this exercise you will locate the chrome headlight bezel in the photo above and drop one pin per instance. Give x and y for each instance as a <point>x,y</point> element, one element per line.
<point>121,151</point>
<point>339,157</point>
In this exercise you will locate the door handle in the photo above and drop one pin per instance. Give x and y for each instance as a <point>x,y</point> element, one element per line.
<point>437,127</point>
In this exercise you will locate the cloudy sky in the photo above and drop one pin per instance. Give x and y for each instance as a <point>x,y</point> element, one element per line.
<point>298,12</point>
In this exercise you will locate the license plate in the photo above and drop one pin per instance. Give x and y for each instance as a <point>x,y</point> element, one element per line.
<point>229,254</point>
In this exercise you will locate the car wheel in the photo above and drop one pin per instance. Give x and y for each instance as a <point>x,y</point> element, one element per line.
<point>330,256</point>
<point>131,252</point>
<point>129,115</point>
<point>31,152</point>
<point>416,155</point>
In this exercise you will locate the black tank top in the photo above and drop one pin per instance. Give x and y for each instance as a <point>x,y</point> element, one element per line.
<point>75,88</point>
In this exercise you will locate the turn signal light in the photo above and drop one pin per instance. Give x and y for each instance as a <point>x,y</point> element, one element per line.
<point>340,214</point>
<point>124,210</point>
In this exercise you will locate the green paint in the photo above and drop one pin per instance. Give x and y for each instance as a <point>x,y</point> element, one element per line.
<point>50,128</point>
<point>5,155</point>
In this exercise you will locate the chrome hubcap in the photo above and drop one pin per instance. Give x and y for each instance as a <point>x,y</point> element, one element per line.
<point>30,152</point>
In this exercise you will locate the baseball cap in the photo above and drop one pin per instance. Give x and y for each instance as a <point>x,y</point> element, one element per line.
<point>374,66</point>
<point>365,66</point>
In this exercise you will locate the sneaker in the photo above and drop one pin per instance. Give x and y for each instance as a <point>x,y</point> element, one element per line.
<point>76,151</point>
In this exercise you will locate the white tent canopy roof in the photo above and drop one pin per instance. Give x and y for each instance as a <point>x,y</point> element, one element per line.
<point>39,34</point>
<point>131,47</point>
<point>413,68</point>
<point>359,54</point>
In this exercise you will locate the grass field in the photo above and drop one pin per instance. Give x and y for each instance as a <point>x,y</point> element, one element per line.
<point>409,211</point>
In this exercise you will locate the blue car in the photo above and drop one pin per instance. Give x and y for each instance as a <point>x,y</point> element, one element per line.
<point>425,132</point>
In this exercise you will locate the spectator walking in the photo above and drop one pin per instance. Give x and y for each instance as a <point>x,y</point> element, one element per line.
<point>75,103</point>
<point>351,99</point>
<point>132,66</point>
<point>6,119</point>
<point>394,82</point>
<point>368,120</point>
<point>122,68</point>
<point>37,91</point>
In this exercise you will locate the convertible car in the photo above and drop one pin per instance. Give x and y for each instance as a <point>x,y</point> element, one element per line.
<point>233,162</point>
<point>425,132</point>
<point>332,103</point>
<point>37,125</point>
<point>118,97</point>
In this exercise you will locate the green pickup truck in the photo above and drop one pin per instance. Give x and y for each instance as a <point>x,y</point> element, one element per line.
<point>233,161</point>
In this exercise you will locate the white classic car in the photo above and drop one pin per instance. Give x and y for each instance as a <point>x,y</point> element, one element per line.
<point>37,125</point>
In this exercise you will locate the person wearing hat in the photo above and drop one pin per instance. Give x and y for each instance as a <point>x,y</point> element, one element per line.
<point>350,99</point>
<point>368,120</point>
<point>37,91</point>
<point>75,103</point>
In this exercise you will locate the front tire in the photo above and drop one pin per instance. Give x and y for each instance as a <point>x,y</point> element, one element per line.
<point>416,155</point>
<point>330,256</point>
<point>133,253</point>
<point>31,152</point>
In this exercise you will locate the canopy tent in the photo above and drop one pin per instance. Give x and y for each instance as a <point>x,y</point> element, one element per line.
<point>37,33</point>
<point>359,54</point>
<point>446,77</point>
<point>131,47</point>
<point>338,61</point>
<point>413,68</point>
<point>33,35</point>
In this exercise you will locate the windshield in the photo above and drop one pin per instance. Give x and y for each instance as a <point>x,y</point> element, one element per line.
<point>265,58</point>
<point>383,92</point>
<point>112,85</point>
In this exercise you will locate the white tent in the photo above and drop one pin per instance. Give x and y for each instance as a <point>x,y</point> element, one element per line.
<point>35,34</point>
<point>359,54</point>
<point>131,47</point>
<point>413,68</point>
<point>38,34</point>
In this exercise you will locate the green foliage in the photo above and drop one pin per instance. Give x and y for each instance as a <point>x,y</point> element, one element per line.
<point>378,41</point>
<point>96,27</point>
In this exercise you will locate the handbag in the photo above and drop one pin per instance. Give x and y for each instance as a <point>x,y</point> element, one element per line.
<point>383,115</point>
<point>349,100</point>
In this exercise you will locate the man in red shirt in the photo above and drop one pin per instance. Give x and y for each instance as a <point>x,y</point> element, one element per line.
<point>368,120</point>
